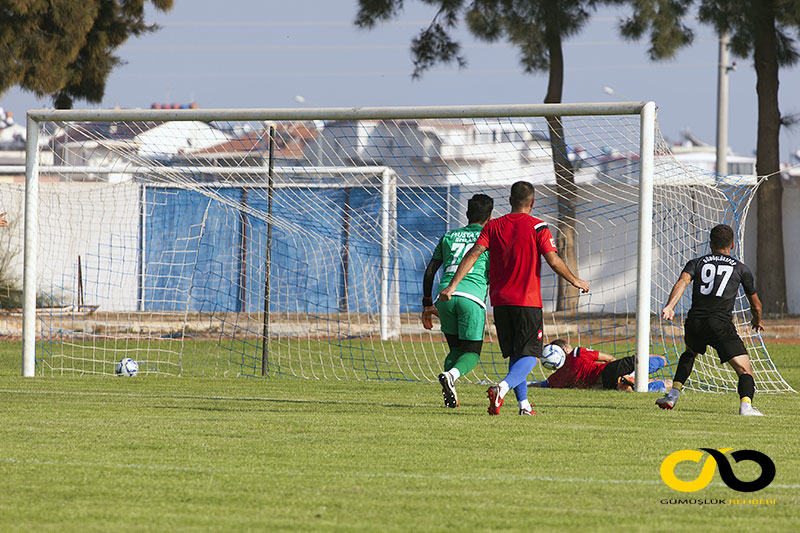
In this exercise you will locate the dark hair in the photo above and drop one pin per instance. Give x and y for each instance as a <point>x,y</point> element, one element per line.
<point>479,208</point>
<point>521,194</point>
<point>721,237</point>
<point>561,343</point>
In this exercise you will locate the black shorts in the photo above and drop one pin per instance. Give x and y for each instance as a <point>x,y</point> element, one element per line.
<point>720,334</point>
<point>615,370</point>
<point>519,330</point>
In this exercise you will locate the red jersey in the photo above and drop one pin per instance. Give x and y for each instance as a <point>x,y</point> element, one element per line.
<point>579,371</point>
<point>516,243</point>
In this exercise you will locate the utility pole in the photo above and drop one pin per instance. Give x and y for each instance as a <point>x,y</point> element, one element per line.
<point>722,105</point>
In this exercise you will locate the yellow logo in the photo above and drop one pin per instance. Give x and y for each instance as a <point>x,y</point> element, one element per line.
<point>716,458</point>
<point>706,474</point>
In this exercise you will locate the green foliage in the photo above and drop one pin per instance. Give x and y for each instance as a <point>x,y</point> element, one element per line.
<point>534,27</point>
<point>664,22</point>
<point>65,49</point>
<point>739,19</point>
<point>157,453</point>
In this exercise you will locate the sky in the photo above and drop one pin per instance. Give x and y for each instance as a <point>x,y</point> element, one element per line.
<point>308,53</point>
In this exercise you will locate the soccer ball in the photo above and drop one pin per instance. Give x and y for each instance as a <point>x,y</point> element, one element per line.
<point>553,357</point>
<point>127,367</point>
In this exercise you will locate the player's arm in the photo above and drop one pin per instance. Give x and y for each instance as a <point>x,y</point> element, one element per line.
<point>428,310</point>
<point>755,310</point>
<point>749,286</point>
<point>560,267</point>
<point>668,313</point>
<point>3,221</point>
<point>467,262</point>
<point>604,357</point>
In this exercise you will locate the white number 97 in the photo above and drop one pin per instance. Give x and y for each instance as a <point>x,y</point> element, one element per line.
<point>709,273</point>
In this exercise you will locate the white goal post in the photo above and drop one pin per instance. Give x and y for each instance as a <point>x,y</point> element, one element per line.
<point>402,164</point>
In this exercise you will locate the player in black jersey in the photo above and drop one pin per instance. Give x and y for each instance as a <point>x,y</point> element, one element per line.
<point>716,278</point>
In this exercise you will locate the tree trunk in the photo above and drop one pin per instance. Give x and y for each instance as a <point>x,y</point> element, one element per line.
<point>565,180</point>
<point>771,282</point>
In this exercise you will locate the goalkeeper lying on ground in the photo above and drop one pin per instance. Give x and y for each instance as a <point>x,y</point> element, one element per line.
<point>584,368</point>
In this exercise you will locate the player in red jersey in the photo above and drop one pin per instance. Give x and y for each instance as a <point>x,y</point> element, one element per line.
<point>584,368</point>
<point>517,242</point>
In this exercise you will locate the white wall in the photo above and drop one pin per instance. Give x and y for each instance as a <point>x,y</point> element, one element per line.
<point>99,222</point>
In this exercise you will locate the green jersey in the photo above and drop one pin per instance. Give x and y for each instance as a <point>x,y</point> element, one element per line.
<point>451,249</point>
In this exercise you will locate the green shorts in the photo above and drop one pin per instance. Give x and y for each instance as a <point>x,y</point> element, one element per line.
<point>463,317</point>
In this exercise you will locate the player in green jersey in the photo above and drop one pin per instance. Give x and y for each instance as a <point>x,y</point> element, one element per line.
<point>463,316</point>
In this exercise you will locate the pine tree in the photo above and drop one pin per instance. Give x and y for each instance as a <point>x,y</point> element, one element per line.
<point>65,48</point>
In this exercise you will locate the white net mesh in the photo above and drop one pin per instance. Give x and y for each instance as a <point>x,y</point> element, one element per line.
<point>298,248</point>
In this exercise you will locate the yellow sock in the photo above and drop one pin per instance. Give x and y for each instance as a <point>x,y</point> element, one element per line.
<point>746,399</point>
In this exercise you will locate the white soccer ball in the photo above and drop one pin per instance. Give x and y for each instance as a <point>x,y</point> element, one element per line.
<point>553,357</point>
<point>127,367</point>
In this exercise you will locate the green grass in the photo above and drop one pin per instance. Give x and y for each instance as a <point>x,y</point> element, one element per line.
<point>163,453</point>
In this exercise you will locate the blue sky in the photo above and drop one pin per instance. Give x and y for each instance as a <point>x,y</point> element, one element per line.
<point>251,53</point>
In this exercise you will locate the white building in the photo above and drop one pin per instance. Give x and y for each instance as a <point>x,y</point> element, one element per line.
<point>122,145</point>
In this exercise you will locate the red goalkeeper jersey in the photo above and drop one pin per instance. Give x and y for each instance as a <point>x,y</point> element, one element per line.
<point>580,371</point>
<point>516,243</point>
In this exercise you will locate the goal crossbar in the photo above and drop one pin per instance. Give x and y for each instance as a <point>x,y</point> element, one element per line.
<point>339,113</point>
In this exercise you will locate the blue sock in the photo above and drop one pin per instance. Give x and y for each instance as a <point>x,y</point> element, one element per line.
<point>517,378</point>
<point>654,364</point>
<point>521,391</point>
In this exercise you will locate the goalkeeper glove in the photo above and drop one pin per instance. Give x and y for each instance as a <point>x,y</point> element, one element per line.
<point>427,317</point>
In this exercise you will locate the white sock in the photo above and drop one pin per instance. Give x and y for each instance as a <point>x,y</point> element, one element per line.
<point>503,386</point>
<point>525,405</point>
<point>454,373</point>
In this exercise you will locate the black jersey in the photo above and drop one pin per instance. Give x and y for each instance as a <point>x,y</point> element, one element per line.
<point>716,279</point>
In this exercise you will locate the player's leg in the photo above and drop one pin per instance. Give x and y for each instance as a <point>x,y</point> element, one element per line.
<point>506,334</point>
<point>682,372</point>
<point>449,322</point>
<point>466,346</point>
<point>454,344</point>
<point>518,371</point>
<point>695,335</point>
<point>471,318</point>
<point>522,334</point>
<point>446,378</point>
<point>659,385</point>
<point>615,370</point>
<point>731,350</point>
<point>654,364</point>
<point>746,386</point>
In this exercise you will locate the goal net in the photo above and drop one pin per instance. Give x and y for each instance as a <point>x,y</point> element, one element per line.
<point>293,242</point>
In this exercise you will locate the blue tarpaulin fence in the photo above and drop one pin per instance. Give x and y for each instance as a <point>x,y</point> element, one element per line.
<point>202,254</point>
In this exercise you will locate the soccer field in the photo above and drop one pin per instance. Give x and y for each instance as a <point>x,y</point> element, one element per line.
<point>163,453</point>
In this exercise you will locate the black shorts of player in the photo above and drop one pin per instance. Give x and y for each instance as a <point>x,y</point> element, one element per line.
<point>453,342</point>
<point>720,334</point>
<point>615,370</point>
<point>519,330</point>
